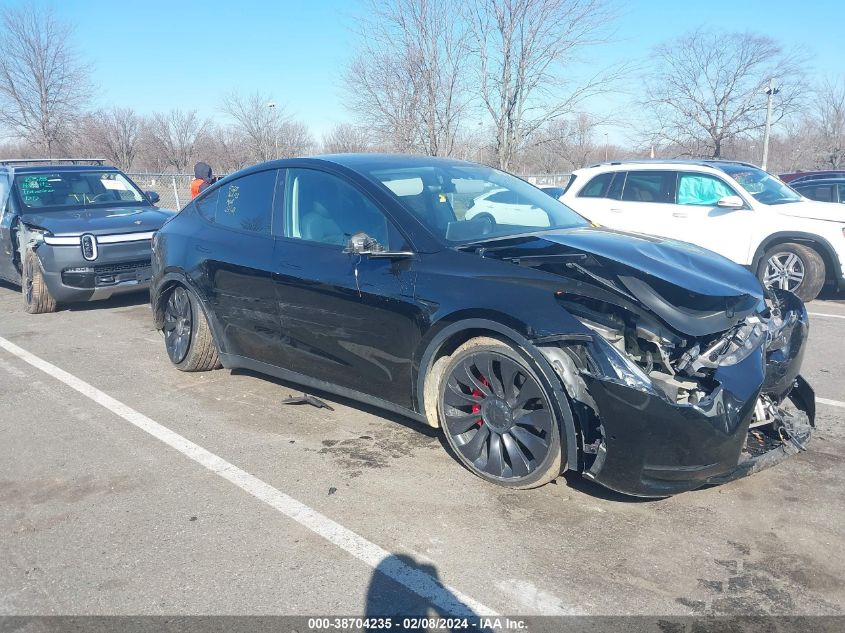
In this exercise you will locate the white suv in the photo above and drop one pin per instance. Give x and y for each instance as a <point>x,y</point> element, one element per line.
<point>734,209</point>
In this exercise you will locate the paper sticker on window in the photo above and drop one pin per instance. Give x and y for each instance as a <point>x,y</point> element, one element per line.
<point>232,199</point>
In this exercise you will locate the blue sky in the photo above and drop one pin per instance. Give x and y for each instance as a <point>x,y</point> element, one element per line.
<point>155,55</point>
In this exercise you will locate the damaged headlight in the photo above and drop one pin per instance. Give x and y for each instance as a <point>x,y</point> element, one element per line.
<point>615,365</point>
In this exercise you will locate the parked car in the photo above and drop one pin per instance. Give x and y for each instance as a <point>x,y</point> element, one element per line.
<point>802,176</point>
<point>74,232</point>
<point>734,209</point>
<point>554,192</point>
<point>651,366</point>
<point>822,189</point>
<point>504,206</point>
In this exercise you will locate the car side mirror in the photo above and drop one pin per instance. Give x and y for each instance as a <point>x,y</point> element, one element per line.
<point>153,196</point>
<point>730,202</point>
<point>364,245</point>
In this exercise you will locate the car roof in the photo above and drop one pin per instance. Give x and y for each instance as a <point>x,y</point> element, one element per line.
<point>674,162</point>
<point>37,169</point>
<point>815,182</point>
<point>386,161</point>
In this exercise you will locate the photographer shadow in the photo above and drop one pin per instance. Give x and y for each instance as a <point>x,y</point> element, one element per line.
<point>403,589</point>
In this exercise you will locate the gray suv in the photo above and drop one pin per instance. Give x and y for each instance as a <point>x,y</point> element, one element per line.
<point>74,230</point>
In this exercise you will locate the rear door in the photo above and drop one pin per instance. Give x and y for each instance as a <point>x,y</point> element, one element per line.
<point>644,205</point>
<point>236,245</point>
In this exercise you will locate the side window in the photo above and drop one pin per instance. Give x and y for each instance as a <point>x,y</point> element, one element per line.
<point>822,193</point>
<point>841,193</point>
<point>207,205</point>
<point>4,194</point>
<point>246,203</point>
<point>597,187</point>
<point>702,190</point>
<point>650,186</point>
<point>321,207</point>
<point>615,190</point>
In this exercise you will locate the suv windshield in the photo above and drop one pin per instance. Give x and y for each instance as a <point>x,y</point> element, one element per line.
<point>48,191</point>
<point>761,185</point>
<point>465,203</point>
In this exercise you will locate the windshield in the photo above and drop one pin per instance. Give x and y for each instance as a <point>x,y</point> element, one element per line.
<point>48,191</point>
<point>466,203</point>
<point>762,186</point>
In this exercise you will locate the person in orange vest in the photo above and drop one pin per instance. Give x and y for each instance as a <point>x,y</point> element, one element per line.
<point>202,178</point>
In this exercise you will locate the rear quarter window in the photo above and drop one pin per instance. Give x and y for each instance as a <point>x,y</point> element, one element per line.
<point>597,187</point>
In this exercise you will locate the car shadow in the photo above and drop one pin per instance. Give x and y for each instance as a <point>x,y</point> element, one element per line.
<point>122,300</point>
<point>296,389</point>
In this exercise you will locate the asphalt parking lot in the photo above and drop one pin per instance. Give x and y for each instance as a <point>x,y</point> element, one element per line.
<point>291,507</point>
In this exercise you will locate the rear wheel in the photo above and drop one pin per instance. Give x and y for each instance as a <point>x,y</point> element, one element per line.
<point>187,335</point>
<point>497,416</point>
<point>36,297</point>
<point>794,267</point>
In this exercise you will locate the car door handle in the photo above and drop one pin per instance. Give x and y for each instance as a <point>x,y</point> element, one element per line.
<point>616,210</point>
<point>679,215</point>
<point>202,249</point>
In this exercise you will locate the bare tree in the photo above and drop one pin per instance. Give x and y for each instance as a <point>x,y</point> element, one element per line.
<point>294,139</point>
<point>113,134</point>
<point>259,120</point>
<point>43,84</point>
<point>521,47</point>
<point>828,118</point>
<point>345,138</point>
<point>173,136</point>
<point>407,81</point>
<point>707,88</point>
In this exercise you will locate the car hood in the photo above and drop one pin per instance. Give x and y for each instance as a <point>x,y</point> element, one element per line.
<point>99,221</point>
<point>828,211</point>
<point>692,289</point>
<point>679,263</point>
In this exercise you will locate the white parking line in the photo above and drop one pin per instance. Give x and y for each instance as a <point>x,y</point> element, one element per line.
<point>832,316</point>
<point>446,598</point>
<point>831,403</point>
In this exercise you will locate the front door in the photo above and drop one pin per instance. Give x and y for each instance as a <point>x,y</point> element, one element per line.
<point>697,218</point>
<point>7,243</point>
<point>345,319</point>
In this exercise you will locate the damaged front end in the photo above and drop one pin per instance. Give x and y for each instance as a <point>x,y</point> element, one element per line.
<point>662,412</point>
<point>685,373</point>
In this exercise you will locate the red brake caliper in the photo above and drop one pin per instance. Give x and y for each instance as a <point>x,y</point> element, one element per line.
<point>476,408</point>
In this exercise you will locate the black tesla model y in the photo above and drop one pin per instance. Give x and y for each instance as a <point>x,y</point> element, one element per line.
<point>537,345</point>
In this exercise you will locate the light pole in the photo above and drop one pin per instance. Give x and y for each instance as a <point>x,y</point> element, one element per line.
<point>606,144</point>
<point>272,106</point>
<point>771,91</point>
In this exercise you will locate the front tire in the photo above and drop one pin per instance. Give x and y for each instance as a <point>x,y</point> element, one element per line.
<point>497,416</point>
<point>794,267</point>
<point>36,297</point>
<point>187,335</point>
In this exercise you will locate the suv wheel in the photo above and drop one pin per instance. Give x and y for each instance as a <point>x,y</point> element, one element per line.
<point>793,267</point>
<point>497,416</point>
<point>36,296</point>
<point>187,335</point>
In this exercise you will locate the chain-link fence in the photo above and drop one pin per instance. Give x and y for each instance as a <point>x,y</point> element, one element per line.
<point>174,190</point>
<point>547,180</point>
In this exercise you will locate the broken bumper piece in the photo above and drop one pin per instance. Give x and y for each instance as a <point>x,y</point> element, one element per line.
<point>640,441</point>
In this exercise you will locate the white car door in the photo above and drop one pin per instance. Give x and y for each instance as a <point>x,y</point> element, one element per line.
<point>645,203</point>
<point>697,217</point>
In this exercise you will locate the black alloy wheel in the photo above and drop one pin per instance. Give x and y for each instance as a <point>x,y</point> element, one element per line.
<point>178,325</point>
<point>498,418</point>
